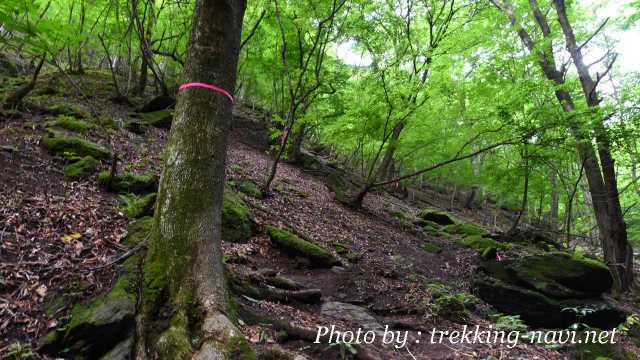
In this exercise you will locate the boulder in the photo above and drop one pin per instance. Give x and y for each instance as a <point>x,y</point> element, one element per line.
<point>292,244</point>
<point>237,222</point>
<point>158,103</point>
<point>540,288</point>
<point>563,275</point>
<point>438,217</point>
<point>530,237</point>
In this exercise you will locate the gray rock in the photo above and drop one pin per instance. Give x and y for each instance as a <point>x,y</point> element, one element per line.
<point>350,312</point>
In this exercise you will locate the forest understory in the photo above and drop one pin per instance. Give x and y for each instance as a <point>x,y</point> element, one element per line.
<point>64,232</point>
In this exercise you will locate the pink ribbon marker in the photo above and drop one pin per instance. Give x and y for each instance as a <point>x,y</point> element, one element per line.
<point>211,87</point>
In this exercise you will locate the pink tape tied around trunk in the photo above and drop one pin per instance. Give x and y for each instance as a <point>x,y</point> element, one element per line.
<point>208,86</point>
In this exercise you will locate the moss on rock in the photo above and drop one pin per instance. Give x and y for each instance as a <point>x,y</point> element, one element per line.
<point>73,146</point>
<point>237,222</point>
<point>250,188</point>
<point>68,110</point>
<point>96,327</point>
<point>128,182</point>
<point>82,168</point>
<point>481,244</point>
<point>292,244</point>
<point>467,229</point>
<point>71,123</point>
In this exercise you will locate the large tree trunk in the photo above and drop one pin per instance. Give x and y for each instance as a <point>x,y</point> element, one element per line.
<point>183,287</point>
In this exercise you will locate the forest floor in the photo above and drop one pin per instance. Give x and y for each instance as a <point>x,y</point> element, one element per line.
<point>56,234</point>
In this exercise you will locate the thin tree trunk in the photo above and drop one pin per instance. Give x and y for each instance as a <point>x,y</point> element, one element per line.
<point>14,99</point>
<point>554,206</point>
<point>525,192</point>
<point>184,295</point>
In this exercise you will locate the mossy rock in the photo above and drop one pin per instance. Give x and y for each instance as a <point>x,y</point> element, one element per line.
<point>137,206</point>
<point>71,123</point>
<point>73,146</point>
<point>160,119</point>
<point>438,217</point>
<point>431,247</point>
<point>292,244</point>
<point>431,229</point>
<point>250,188</point>
<point>237,222</point>
<point>537,288</point>
<point>480,243</point>
<point>68,110</point>
<point>82,168</point>
<point>96,327</point>
<point>467,229</point>
<point>128,182</point>
<point>562,275</point>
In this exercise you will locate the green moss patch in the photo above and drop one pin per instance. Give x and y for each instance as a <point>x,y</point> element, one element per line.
<point>237,222</point>
<point>73,146</point>
<point>69,110</point>
<point>71,123</point>
<point>82,168</point>
<point>431,247</point>
<point>480,243</point>
<point>137,206</point>
<point>250,188</point>
<point>467,229</point>
<point>128,182</point>
<point>292,244</point>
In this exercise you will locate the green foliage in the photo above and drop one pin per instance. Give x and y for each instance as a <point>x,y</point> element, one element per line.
<point>346,350</point>
<point>508,323</point>
<point>71,123</point>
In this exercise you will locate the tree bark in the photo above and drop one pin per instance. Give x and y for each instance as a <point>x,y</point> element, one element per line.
<point>183,290</point>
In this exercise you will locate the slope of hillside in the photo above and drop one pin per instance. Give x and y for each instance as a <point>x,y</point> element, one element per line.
<point>62,241</point>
